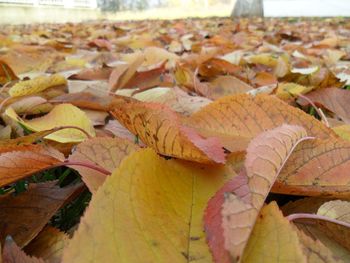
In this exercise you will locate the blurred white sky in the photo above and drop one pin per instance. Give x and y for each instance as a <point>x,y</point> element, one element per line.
<point>63,11</point>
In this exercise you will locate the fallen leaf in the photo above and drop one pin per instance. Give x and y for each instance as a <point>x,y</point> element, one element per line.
<point>105,152</point>
<point>6,73</point>
<point>343,131</point>
<point>245,116</point>
<point>48,245</point>
<point>273,239</point>
<point>333,99</point>
<point>36,85</point>
<point>266,156</point>
<point>175,98</point>
<point>13,254</point>
<point>18,162</point>
<point>156,203</point>
<point>160,128</point>
<point>227,85</point>
<point>318,167</point>
<point>60,115</point>
<point>25,215</point>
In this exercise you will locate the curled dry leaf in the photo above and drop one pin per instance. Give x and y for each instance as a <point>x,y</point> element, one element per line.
<point>6,73</point>
<point>25,215</point>
<point>104,152</point>
<point>162,129</point>
<point>150,209</point>
<point>60,115</point>
<point>266,155</point>
<point>36,85</point>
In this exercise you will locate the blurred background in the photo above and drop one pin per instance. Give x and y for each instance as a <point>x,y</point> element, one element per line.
<point>30,11</point>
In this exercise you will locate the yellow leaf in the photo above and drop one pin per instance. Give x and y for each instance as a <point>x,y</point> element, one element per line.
<point>287,90</point>
<point>36,85</point>
<point>61,115</point>
<point>273,239</point>
<point>343,131</point>
<point>149,210</point>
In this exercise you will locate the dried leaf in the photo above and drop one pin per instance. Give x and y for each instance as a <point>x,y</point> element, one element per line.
<point>18,162</point>
<point>48,245</point>
<point>160,128</point>
<point>13,254</point>
<point>333,99</point>
<point>104,152</point>
<point>25,215</point>
<point>36,85</point>
<point>266,155</point>
<point>273,239</point>
<point>245,116</point>
<point>6,73</point>
<point>61,115</point>
<point>156,203</point>
<point>318,167</point>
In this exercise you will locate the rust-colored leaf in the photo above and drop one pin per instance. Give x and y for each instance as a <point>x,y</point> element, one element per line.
<point>19,162</point>
<point>6,73</point>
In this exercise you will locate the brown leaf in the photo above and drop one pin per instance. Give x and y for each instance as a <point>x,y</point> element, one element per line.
<point>25,215</point>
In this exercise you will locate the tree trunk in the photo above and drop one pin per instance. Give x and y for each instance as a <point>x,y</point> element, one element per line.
<point>248,8</point>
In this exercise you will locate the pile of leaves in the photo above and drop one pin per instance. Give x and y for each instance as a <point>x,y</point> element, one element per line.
<point>198,140</point>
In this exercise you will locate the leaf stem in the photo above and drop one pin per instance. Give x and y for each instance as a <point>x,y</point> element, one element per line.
<point>87,165</point>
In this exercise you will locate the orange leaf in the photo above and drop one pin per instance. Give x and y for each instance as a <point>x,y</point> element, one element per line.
<point>22,161</point>
<point>6,73</point>
<point>245,116</point>
<point>160,128</point>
